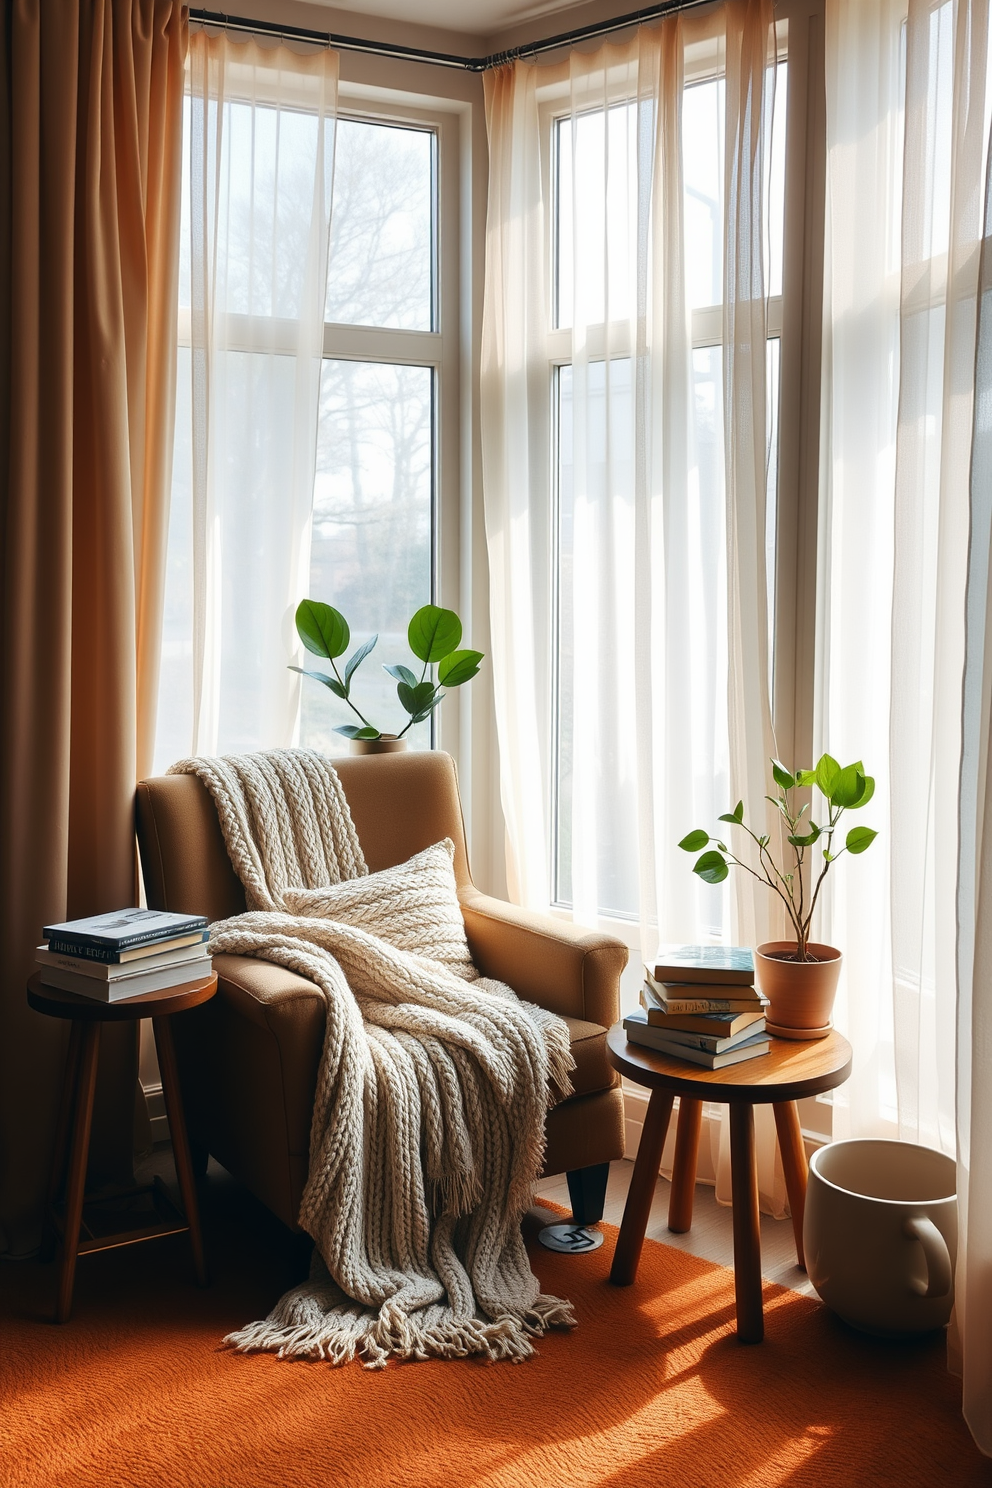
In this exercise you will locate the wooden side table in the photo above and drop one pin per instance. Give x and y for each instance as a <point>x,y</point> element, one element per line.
<point>787,1073</point>
<point>87,1016</point>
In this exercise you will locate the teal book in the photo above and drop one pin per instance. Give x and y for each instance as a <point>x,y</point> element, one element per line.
<point>728,966</point>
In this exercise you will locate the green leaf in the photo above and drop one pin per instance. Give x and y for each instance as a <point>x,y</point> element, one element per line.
<point>416,699</point>
<point>402,674</point>
<point>859,838</point>
<point>351,731</point>
<point>459,667</point>
<point>712,868</point>
<point>827,771</point>
<point>829,857</point>
<point>422,717</point>
<point>869,791</point>
<point>693,841</point>
<point>781,775</point>
<point>331,682</point>
<point>763,841</point>
<point>354,662</point>
<point>849,786</point>
<point>808,840</point>
<point>434,633</point>
<point>805,777</point>
<point>322,629</point>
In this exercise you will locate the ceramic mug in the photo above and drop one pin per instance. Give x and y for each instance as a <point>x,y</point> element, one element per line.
<point>880,1234</point>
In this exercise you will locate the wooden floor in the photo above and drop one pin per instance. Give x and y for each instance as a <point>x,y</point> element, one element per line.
<point>711,1236</point>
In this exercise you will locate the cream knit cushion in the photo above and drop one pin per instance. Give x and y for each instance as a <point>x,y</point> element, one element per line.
<point>413,906</point>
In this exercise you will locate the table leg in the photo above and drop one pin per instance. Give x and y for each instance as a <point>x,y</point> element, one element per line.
<point>76,1186</point>
<point>684,1170</point>
<point>62,1129</point>
<point>180,1145</point>
<point>747,1233</point>
<point>794,1166</point>
<point>641,1192</point>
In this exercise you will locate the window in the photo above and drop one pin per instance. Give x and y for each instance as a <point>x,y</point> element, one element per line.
<point>599,295</point>
<point>387,393</point>
<point>372,540</point>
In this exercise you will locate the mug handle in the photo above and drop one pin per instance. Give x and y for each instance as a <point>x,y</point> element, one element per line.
<point>936,1255</point>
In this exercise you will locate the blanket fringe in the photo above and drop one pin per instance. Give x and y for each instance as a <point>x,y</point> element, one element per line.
<point>341,1335</point>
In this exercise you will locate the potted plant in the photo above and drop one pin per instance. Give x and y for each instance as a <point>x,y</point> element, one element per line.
<point>798,977</point>
<point>433,634</point>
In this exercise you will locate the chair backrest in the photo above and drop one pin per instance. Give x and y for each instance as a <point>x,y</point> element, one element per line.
<point>400,804</point>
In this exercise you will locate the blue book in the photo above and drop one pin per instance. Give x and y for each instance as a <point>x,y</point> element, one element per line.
<point>108,937</point>
<point>729,966</point>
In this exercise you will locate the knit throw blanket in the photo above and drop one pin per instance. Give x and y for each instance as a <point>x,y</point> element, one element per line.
<point>428,1122</point>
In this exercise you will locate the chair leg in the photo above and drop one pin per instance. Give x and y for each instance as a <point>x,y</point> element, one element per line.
<point>587,1193</point>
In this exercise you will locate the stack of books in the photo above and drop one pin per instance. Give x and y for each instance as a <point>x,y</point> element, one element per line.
<point>700,1003</point>
<point>124,953</point>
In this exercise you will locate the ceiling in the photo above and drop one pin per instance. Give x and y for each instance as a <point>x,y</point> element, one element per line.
<point>472,17</point>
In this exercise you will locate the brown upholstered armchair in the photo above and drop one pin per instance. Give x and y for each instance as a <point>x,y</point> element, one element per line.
<point>248,1059</point>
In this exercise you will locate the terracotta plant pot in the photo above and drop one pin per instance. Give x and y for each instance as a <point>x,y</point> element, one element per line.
<point>385,744</point>
<point>800,993</point>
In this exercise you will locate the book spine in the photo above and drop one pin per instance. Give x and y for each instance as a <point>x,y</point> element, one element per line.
<point>60,946</point>
<point>683,1005</point>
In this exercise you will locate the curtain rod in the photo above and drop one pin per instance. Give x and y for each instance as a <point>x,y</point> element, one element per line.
<point>442,59</point>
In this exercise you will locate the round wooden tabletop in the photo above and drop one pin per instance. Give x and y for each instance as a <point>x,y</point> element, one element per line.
<point>59,1004</point>
<point>787,1072</point>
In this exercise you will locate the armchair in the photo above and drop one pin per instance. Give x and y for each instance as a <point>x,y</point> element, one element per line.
<point>248,1059</point>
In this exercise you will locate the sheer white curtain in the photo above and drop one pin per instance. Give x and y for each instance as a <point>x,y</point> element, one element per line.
<point>625,471</point>
<point>261,132</point>
<point>908,104</point>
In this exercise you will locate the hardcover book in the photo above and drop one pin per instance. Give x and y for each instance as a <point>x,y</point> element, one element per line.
<point>700,997</point>
<point>131,986</point>
<point>117,971</point>
<point>718,1022</point>
<point>104,956</point>
<point>722,965</point>
<point>714,1041</point>
<point>654,1038</point>
<point>123,929</point>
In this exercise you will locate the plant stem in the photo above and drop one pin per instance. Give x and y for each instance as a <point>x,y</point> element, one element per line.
<point>347,698</point>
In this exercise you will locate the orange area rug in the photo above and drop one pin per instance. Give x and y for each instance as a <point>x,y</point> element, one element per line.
<point>652,1388</point>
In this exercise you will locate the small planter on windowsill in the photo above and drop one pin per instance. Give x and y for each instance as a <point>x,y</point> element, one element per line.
<point>385,744</point>
<point>433,636</point>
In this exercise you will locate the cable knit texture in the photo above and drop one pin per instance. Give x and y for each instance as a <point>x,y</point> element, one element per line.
<point>414,906</point>
<point>428,1123</point>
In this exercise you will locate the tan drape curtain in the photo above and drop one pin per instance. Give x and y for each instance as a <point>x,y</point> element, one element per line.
<point>90,144</point>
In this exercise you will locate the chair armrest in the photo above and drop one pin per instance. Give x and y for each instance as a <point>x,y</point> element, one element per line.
<point>566,969</point>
